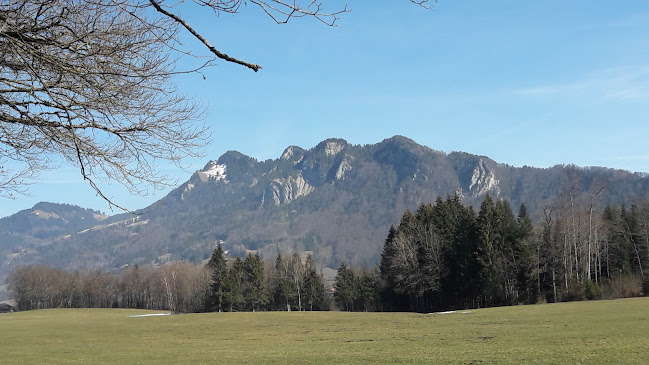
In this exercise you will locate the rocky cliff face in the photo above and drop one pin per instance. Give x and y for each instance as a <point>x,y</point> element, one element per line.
<point>483,181</point>
<point>335,199</point>
<point>286,190</point>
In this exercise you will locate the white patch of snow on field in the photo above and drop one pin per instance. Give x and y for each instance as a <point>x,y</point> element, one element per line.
<point>150,315</point>
<point>449,312</point>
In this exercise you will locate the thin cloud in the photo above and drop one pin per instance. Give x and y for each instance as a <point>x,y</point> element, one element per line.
<point>617,84</point>
<point>630,158</point>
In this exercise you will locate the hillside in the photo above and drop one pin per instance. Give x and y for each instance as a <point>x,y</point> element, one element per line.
<point>335,199</point>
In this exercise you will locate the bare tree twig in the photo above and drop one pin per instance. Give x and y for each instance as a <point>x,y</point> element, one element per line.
<point>91,82</point>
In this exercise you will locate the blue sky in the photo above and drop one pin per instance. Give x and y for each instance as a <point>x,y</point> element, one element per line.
<point>533,83</point>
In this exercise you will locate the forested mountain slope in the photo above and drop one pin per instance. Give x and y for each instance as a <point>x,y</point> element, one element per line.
<point>335,199</point>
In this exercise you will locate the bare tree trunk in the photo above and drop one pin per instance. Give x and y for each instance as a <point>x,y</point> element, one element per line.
<point>574,235</point>
<point>538,266</point>
<point>169,290</point>
<point>637,255</point>
<point>567,259</point>
<point>598,259</point>
<point>590,226</point>
<point>554,286</point>
<point>590,236</point>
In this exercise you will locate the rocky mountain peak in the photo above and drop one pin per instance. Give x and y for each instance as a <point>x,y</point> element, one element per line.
<point>293,153</point>
<point>336,199</point>
<point>331,146</point>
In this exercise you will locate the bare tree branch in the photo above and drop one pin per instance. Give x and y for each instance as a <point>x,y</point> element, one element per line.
<point>91,82</point>
<point>207,44</point>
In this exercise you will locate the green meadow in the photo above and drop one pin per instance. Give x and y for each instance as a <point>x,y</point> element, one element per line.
<point>596,332</point>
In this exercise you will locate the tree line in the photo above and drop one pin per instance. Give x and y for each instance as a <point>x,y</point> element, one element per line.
<point>223,284</point>
<point>443,256</point>
<point>249,285</point>
<point>180,285</point>
<point>447,256</point>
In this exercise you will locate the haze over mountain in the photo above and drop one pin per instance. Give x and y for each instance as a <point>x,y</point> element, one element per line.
<point>336,199</point>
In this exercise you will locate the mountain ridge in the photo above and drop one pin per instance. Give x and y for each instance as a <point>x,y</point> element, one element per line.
<point>335,199</point>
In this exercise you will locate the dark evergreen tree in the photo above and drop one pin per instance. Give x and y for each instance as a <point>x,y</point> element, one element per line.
<point>368,284</point>
<point>283,287</point>
<point>255,283</point>
<point>400,265</point>
<point>486,254</point>
<point>236,282</point>
<point>345,288</point>
<point>527,284</point>
<point>618,260</point>
<point>389,297</point>
<point>460,285</point>
<point>387,256</point>
<point>314,287</point>
<point>506,260</point>
<point>219,278</point>
<point>430,250</point>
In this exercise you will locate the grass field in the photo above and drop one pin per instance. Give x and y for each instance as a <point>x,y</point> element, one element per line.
<point>580,332</point>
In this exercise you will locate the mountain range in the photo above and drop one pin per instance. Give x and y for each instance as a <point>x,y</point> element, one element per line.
<point>335,200</point>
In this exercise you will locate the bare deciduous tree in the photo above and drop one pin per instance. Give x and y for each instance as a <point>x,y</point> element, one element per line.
<point>91,82</point>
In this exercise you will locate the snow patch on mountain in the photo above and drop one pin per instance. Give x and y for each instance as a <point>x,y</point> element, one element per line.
<point>213,171</point>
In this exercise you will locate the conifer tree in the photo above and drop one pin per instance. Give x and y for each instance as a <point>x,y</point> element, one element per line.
<point>255,288</point>
<point>618,259</point>
<point>506,261</point>
<point>387,256</point>
<point>527,288</point>
<point>345,288</point>
<point>486,250</point>
<point>233,298</point>
<point>219,277</point>
<point>283,288</point>
<point>313,285</point>
<point>461,285</point>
